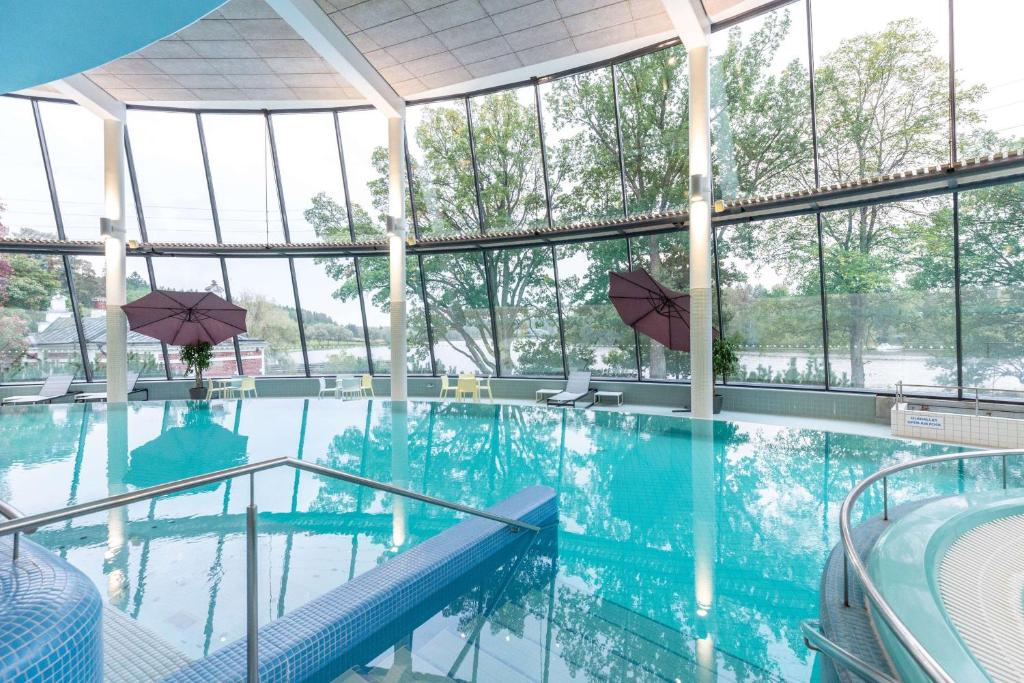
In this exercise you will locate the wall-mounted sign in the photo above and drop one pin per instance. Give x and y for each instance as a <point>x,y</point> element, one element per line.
<point>926,421</point>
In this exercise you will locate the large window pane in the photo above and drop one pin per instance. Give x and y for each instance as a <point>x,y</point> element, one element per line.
<point>771,299</point>
<point>37,330</point>
<point>314,194</point>
<point>74,137</point>
<point>145,354</point>
<point>331,315</point>
<point>199,275</point>
<point>364,139</point>
<point>882,80</point>
<point>596,339</point>
<point>508,159</point>
<point>667,258</point>
<point>375,275</point>
<point>653,107</point>
<point>526,310</point>
<point>442,168</point>
<point>990,110</point>
<point>991,276</point>
<point>760,106</point>
<point>889,281</point>
<point>582,147</point>
<point>25,206</point>
<point>243,178</point>
<point>263,287</point>
<point>459,313</point>
<point>171,177</point>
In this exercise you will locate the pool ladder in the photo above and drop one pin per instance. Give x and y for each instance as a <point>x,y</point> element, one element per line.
<point>18,523</point>
<point>816,640</point>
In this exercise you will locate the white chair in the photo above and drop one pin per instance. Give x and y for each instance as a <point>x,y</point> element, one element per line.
<point>351,387</point>
<point>485,386</point>
<point>55,386</point>
<point>446,387</point>
<point>324,389</point>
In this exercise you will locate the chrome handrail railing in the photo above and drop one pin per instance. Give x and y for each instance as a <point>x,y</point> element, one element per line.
<point>18,523</point>
<point>851,558</point>
<point>960,389</point>
<point>10,512</point>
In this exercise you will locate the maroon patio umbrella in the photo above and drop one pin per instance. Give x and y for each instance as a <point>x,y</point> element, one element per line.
<point>180,318</point>
<point>651,308</point>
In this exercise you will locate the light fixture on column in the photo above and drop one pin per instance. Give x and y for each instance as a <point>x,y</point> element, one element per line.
<point>396,227</point>
<point>698,185</point>
<point>108,227</point>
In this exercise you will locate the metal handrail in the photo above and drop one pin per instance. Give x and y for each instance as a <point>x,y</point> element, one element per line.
<point>815,640</point>
<point>959,388</point>
<point>33,521</point>
<point>10,512</point>
<point>18,523</point>
<point>851,558</point>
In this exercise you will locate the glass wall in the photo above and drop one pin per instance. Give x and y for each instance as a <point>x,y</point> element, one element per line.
<point>443,185</point>
<point>614,138</point>
<point>171,176</point>
<point>364,141</point>
<point>582,147</point>
<point>771,299</point>
<point>310,168</point>
<point>331,315</point>
<point>882,87</point>
<point>526,312</point>
<point>761,106</point>
<point>666,257</point>
<point>508,160</point>
<point>992,298</point>
<point>38,336</point>
<point>25,206</point>
<point>460,314</point>
<point>244,185</point>
<point>595,338</point>
<point>263,288</point>
<point>889,285</point>
<point>654,116</point>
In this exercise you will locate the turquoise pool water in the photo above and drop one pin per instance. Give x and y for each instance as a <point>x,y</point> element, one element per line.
<point>685,549</point>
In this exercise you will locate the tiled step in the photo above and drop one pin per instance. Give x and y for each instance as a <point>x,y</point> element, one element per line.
<point>132,653</point>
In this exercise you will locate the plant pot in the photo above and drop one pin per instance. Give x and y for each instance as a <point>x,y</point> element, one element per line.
<point>717,405</point>
<point>197,393</point>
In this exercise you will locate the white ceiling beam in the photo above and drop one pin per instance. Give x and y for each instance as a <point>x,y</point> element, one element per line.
<point>310,22</point>
<point>92,97</point>
<point>690,21</point>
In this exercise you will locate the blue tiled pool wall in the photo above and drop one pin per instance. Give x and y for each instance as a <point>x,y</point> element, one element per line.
<point>354,622</point>
<point>50,619</point>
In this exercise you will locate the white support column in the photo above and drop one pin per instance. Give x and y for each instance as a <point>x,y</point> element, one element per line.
<point>396,256</point>
<point>112,226</point>
<point>114,251</point>
<point>702,383</point>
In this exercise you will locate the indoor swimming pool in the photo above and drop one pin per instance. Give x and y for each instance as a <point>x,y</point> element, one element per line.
<point>685,549</point>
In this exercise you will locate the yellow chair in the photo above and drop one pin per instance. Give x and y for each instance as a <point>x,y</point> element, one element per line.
<point>367,386</point>
<point>446,387</point>
<point>246,385</point>
<point>467,386</point>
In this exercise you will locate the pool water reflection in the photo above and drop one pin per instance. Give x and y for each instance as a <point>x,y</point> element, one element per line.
<point>686,549</point>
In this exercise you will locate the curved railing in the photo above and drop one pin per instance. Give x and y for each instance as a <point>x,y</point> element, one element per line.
<point>851,559</point>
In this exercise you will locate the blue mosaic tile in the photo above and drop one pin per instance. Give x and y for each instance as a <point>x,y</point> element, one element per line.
<point>316,640</point>
<point>50,624</point>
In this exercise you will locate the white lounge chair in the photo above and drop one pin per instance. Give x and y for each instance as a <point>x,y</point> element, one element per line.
<point>55,386</point>
<point>576,389</point>
<point>133,378</point>
<point>324,389</point>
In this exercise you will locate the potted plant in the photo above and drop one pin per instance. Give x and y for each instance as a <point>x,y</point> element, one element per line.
<point>724,362</point>
<point>196,358</point>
